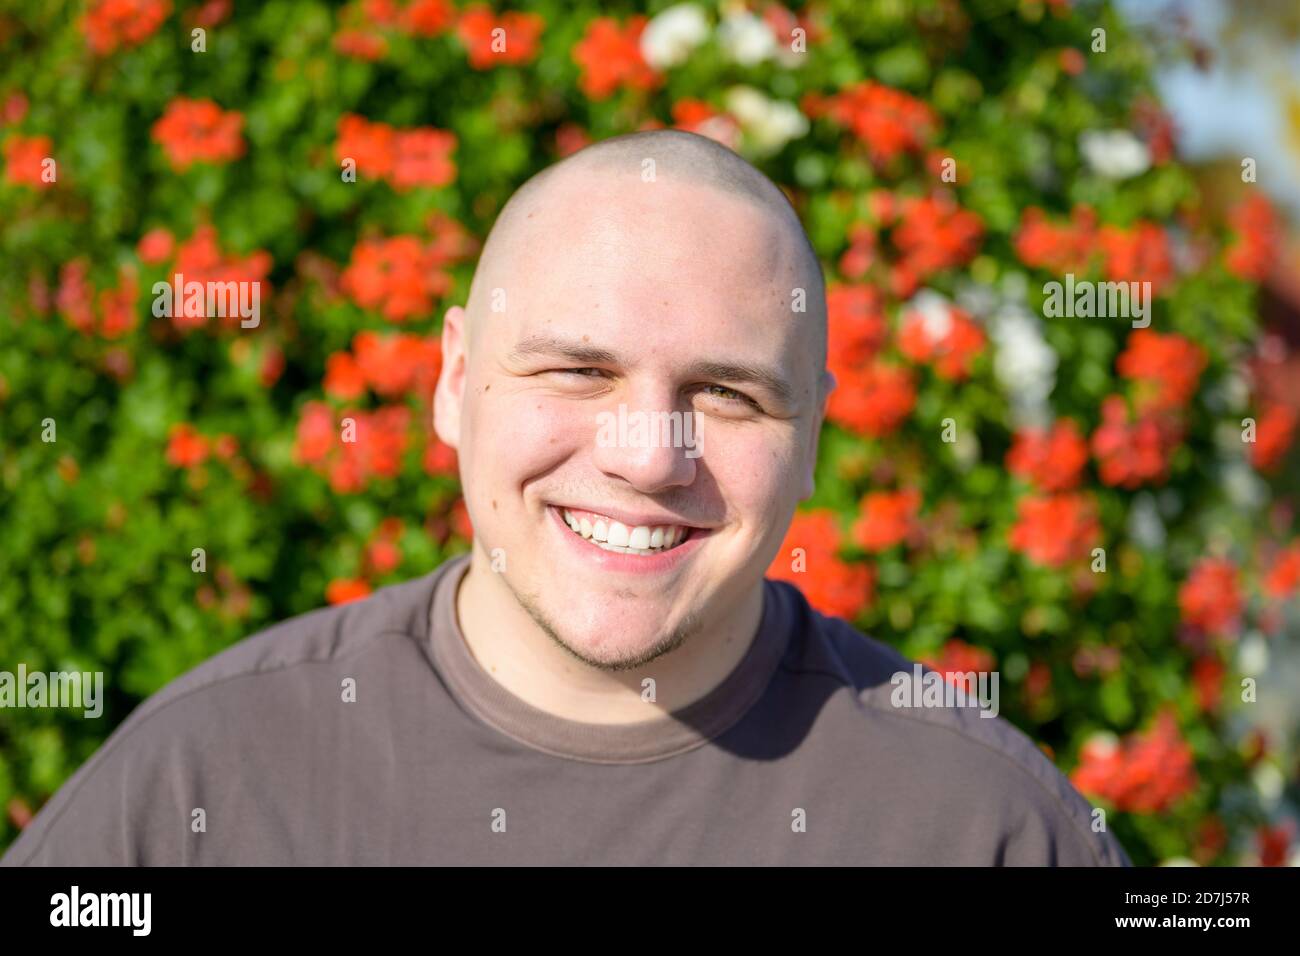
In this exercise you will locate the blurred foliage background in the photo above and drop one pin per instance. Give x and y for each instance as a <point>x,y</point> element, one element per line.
<point>1099,512</point>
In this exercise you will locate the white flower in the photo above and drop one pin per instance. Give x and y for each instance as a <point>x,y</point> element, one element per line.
<point>1252,655</point>
<point>768,124</point>
<point>1245,489</point>
<point>746,39</point>
<point>670,37</point>
<point>1024,364</point>
<point>1145,526</point>
<point>1115,154</point>
<point>933,311</point>
<point>1269,783</point>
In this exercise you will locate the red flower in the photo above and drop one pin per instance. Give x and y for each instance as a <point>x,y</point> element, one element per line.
<point>193,131</point>
<point>24,160</point>
<point>398,276</point>
<point>951,344</point>
<point>343,590</point>
<point>109,24</point>
<point>110,313</point>
<point>1071,61</point>
<point>185,446</point>
<point>887,518</point>
<point>272,365</point>
<point>873,399</point>
<point>381,440</point>
<point>13,109</point>
<point>1131,453</point>
<point>610,57</point>
<point>155,247</point>
<point>934,234</point>
<point>831,585</point>
<point>1156,128</point>
<point>1055,530</point>
<point>427,18</point>
<point>861,253</point>
<point>117,313</point>
<point>423,158</point>
<point>1207,682</point>
<point>1210,599</point>
<point>1167,368</point>
<point>1274,842</point>
<point>343,377</point>
<point>887,121</point>
<point>569,138</point>
<point>857,326</point>
<point>1061,248</point>
<point>1148,773</point>
<point>200,259</point>
<point>958,660</point>
<point>1274,433</point>
<point>383,550</point>
<point>440,459</point>
<point>697,116</point>
<point>316,434</point>
<point>397,364</point>
<point>361,43</point>
<point>75,296</point>
<point>515,44</point>
<point>226,446</point>
<point>1139,254</point>
<point>1051,460</point>
<point>1283,577</point>
<point>1257,237</point>
<point>369,145</point>
<point>210,14</point>
<point>354,447</point>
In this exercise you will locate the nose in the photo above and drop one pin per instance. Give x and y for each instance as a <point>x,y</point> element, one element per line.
<point>648,443</point>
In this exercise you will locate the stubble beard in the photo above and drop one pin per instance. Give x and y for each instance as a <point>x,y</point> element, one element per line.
<point>666,644</point>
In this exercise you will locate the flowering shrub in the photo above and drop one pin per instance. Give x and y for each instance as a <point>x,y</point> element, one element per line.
<point>1080,504</point>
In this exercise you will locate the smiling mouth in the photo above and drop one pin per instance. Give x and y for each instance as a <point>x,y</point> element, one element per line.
<point>610,535</point>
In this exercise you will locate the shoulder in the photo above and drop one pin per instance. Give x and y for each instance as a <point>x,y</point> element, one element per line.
<point>323,636</point>
<point>262,688</point>
<point>983,763</point>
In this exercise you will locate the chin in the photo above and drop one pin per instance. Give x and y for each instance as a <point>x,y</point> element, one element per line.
<point>609,642</point>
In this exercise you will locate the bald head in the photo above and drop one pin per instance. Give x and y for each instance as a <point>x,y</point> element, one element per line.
<point>627,163</point>
<point>648,281</point>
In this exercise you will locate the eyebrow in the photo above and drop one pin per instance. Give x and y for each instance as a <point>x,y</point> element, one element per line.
<point>740,373</point>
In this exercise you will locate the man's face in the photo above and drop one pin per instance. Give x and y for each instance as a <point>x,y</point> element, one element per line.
<point>661,298</point>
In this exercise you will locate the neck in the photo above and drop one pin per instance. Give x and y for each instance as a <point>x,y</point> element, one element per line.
<point>513,650</point>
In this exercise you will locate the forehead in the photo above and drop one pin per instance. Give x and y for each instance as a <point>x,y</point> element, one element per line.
<point>664,268</point>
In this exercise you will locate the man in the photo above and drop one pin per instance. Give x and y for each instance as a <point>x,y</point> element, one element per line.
<point>607,678</point>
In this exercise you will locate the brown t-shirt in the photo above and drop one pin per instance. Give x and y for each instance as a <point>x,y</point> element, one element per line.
<point>362,735</point>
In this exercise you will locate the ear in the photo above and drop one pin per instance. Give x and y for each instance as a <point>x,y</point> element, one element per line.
<point>825,386</point>
<point>449,397</point>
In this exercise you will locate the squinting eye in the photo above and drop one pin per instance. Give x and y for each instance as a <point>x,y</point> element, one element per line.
<point>585,372</point>
<point>728,394</point>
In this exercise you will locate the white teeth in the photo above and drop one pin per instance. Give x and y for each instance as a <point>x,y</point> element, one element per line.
<point>616,536</point>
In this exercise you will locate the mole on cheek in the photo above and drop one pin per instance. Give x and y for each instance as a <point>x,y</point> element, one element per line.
<point>494,504</point>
